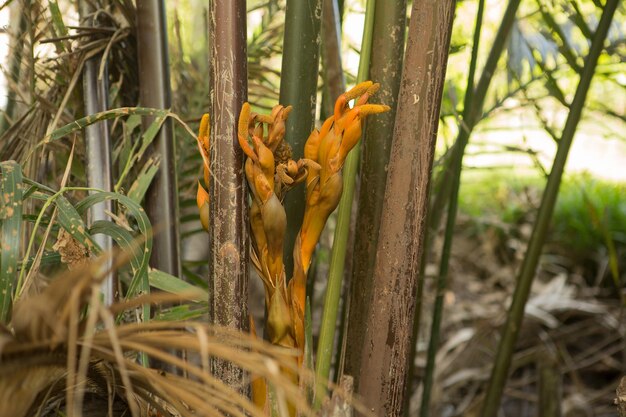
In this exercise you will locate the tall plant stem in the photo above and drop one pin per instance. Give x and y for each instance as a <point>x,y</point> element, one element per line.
<point>14,71</point>
<point>472,112</point>
<point>228,251</point>
<point>338,255</point>
<point>515,314</point>
<point>335,83</point>
<point>384,361</point>
<point>473,105</point>
<point>99,161</point>
<point>386,69</point>
<point>298,88</point>
<point>442,278</point>
<point>155,91</point>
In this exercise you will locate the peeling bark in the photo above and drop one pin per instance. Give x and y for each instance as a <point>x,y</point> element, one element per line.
<point>385,351</point>
<point>228,249</point>
<point>385,68</point>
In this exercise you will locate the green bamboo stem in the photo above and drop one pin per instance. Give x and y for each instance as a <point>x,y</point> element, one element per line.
<point>340,242</point>
<point>334,86</point>
<point>386,69</point>
<point>442,278</point>
<point>298,88</point>
<point>515,315</point>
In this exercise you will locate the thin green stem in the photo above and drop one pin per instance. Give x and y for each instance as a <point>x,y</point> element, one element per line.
<point>340,242</point>
<point>515,315</point>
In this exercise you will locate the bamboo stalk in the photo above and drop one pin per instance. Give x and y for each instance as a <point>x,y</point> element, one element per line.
<point>515,315</point>
<point>99,161</point>
<point>14,71</point>
<point>384,361</point>
<point>472,112</point>
<point>442,278</point>
<point>550,385</point>
<point>298,88</point>
<point>228,250</point>
<point>155,91</point>
<point>340,242</point>
<point>331,51</point>
<point>385,68</point>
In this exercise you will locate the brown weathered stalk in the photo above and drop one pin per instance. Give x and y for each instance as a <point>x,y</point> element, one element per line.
<point>331,51</point>
<point>228,250</point>
<point>385,68</point>
<point>386,346</point>
<point>155,91</point>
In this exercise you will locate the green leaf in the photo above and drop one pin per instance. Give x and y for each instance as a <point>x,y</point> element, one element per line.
<point>70,220</point>
<point>166,282</point>
<point>144,179</point>
<point>182,312</point>
<point>151,132</point>
<point>126,241</point>
<point>11,221</point>
<point>105,115</point>
<point>139,283</point>
<point>57,22</point>
<point>48,258</point>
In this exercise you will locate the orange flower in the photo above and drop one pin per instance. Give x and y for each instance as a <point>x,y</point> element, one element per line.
<point>202,196</point>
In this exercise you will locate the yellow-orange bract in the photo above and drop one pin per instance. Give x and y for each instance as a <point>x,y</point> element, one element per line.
<point>271,172</point>
<point>202,197</point>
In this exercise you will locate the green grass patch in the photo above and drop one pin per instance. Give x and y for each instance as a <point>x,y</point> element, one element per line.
<point>590,213</point>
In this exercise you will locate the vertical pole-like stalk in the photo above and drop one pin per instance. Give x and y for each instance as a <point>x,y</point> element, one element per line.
<point>515,315</point>
<point>228,250</point>
<point>331,51</point>
<point>98,144</point>
<point>155,91</point>
<point>340,242</point>
<point>298,88</point>
<point>442,278</point>
<point>385,350</point>
<point>17,52</point>
<point>384,68</point>
<point>472,113</point>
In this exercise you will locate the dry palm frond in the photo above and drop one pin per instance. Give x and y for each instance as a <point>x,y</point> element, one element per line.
<point>50,78</point>
<point>64,351</point>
